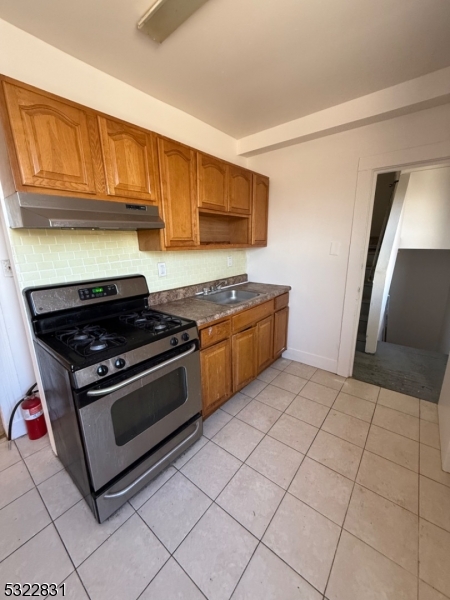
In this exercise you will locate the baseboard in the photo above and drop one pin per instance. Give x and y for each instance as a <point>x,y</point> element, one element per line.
<point>321,362</point>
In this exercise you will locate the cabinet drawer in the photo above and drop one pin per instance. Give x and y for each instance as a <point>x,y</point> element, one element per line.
<point>215,333</point>
<point>251,316</point>
<point>281,301</point>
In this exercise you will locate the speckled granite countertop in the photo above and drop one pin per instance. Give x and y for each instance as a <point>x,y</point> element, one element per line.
<point>204,312</point>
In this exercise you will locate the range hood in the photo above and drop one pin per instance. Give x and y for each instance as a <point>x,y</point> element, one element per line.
<point>40,211</point>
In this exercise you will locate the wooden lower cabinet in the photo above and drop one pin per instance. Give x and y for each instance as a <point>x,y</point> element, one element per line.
<point>281,318</point>
<point>244,358</point>
<point>235,350</point>
<point>264,344</point>
<point>215,364</point>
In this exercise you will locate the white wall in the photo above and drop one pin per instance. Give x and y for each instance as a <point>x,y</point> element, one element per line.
<point>16,370</point>
<point>419,316</point>
<point>312,200</point>
<point>419,295</point>
<point>31,60</point>
<point>426,220</point>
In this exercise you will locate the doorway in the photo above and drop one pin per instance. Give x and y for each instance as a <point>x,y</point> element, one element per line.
<point>403,337</point>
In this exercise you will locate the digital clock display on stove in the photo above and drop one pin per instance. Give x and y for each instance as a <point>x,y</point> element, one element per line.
<point>97,292</point>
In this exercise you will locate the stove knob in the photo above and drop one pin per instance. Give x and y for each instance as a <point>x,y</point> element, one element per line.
<point>174,341</point>
<point>102,370</point>
<point>185,337</point>
<point>120,363</point>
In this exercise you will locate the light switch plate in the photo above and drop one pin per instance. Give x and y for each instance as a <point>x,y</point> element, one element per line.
<point>162,270</point>
<point>229,261</point>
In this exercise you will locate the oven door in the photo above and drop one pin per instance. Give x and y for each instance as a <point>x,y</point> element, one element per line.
<point>131,415</point>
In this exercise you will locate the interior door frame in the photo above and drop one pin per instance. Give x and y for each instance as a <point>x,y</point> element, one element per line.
<point>368,169</point>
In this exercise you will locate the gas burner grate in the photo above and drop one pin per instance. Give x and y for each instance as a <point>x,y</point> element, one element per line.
<point>151,321</point>
<point>90,339</point>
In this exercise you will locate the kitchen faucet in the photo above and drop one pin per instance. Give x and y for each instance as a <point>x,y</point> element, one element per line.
<point>214,288</point>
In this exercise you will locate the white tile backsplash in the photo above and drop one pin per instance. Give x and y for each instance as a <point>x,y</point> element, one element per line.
<point>53,256</point>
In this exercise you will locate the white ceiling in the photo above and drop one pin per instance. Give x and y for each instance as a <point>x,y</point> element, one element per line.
<point>246,65</point>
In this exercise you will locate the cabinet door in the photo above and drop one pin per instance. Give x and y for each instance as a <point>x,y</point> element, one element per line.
<point>280,331</point>
<point>53,140</point>
<point>216,375</point>
<point>260,210</point>
<point>240,190</point>
<point>178,176</point>
<point>130,161</point>
<point>212,183</point>
<point>244,358</point>
<point>264,343</point>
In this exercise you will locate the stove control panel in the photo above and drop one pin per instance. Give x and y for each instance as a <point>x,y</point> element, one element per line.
<point>97,292</point>
<point>111,366</point>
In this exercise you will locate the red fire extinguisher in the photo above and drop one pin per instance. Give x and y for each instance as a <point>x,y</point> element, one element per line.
<point>33,415</point>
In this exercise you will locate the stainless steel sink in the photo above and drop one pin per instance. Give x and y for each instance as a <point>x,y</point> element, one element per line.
<point>230,296</point>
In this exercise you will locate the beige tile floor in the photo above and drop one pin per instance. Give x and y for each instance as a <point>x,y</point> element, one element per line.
<point>305,486</point>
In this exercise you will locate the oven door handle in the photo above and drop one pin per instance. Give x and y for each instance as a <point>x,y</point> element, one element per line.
<point>155,466</point>
<point>118,386</point>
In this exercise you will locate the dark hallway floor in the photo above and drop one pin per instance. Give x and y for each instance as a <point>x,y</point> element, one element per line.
<point>418,373</point>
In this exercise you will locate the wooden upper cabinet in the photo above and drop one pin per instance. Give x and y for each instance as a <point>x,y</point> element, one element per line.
<point>260,210</point>
<point>53,141</point>
<point>56,146</point>
<point>130,161</point>
<point>179,193</point>
<point>240,195</point>
<point>212,183</point>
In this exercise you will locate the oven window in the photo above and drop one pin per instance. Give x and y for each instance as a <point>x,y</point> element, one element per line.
<point>139,410</point>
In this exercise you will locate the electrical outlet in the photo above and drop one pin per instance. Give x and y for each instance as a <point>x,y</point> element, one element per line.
<point>229,261</point>
<point>7,271</point>
<point>162,270</point>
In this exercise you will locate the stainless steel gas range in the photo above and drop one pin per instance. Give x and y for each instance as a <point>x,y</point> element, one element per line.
<point>122,384</point>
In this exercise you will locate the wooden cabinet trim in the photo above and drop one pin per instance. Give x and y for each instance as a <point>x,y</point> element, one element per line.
<point>240,190</point>
<point>252,349</point>
<point>260,210</point>
<point>137,179</point>
<point>251,316</point>
<point>280,328</point>
<point>243,355</point>
<point>215,364</point>
<point>40,164</point>
<point>181,219</point>
<point>281,301</point>
<point>212,189</point>
<point>92,178</point>
<point>264,343</point>
<point>215,333</point>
